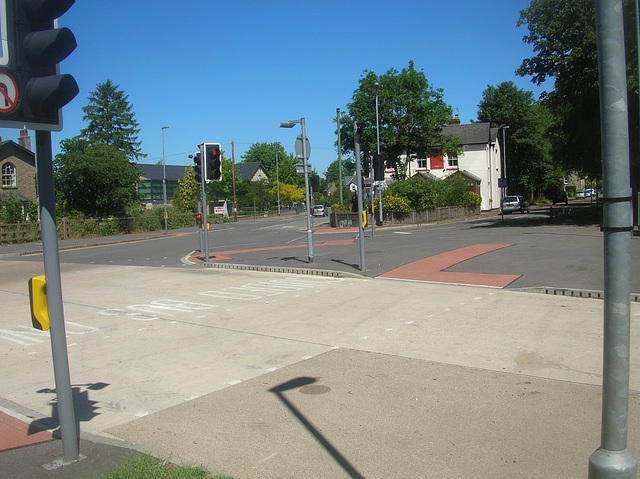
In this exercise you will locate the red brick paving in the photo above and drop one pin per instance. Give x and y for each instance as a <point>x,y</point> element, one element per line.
<point>431,269</point>
<point>15,433</point>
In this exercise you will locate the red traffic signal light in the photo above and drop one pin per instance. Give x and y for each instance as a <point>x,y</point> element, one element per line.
<point>212,161</point>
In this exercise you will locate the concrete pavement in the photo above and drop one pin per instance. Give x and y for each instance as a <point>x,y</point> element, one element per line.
<point>276,375</point>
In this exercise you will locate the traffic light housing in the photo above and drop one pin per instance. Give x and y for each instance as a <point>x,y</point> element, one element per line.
<point>197,167</point>
<point>32,92</point>
<point>378,167</point>
<point>212,162</point>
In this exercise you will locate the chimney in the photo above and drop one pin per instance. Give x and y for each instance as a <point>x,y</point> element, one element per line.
<point>455,120</point>
<point>24,141</point>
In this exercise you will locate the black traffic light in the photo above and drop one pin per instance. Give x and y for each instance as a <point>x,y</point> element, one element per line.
<point>197,166</point>
<point>32,91</point>
<point>212,162</point>
<point>378,167</point>
<point>315,183</point>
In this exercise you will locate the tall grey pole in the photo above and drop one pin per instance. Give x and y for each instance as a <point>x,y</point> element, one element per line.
<point>205,220</point>
<point>66,414</point>
<point>306,191</point>
<point>612,459</point>
<point>278,182</point>
<point>164,183</point>
<point>339,156</point>
<point>356,139</point>
<point>377,85</point>
<point>373,196</point>
<point>504,162</point>
<point>199,209</point>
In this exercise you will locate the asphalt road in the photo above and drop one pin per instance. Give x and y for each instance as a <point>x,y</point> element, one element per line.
<point>543,256</point>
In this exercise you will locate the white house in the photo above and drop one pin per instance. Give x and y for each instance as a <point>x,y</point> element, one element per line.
<point>479,161</point>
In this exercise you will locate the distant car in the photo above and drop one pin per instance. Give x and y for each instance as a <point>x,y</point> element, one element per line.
<point>580,194</point>
<point>589,192</point>
<point>318,210</point>
<point>561,197</point>
<point>515,203</point>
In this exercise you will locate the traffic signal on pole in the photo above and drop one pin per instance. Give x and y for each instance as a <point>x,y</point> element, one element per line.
<point>212,162</point>
<point>378,167</point>
<point>32,91</point>
<point>315,183</point>
<point>197,162</point>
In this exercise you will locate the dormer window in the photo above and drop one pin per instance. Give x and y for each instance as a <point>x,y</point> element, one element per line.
<point>9,176</point>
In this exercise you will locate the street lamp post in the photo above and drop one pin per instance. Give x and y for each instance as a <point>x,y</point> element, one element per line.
<point>291,124</point>
<point>339,156</point>
<point>278,182</point>
<point>377,85</point>
<point>164,183</point>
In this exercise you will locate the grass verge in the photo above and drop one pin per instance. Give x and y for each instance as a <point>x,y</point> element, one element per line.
<point>145,467</point>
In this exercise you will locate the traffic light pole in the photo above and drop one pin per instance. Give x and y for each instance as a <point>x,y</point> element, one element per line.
<point>356,138</point>
<point>66,415</point>
<point>205,221</point>
<point>612,459</point>
<point>199,209</point>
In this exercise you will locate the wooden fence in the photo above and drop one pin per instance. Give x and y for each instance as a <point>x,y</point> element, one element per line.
<point>28,232</point>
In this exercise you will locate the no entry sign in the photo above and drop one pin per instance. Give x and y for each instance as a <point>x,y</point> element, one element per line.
<point>8,93</point>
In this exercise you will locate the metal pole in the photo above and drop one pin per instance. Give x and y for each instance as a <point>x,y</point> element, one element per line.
<point>638,147</point>
<point>164,183</point>
<point>66,414</point>
<point>372,196</point>
<point>504,162</point>
<point>339,156</point>
<point>377,85</point>
<point>356,139</point>
<point>278,182</point>
<point>306,191</point>
<point>233,179</point>
<point>205,220</point>
<point>199,209</point>
<point>613,459</point>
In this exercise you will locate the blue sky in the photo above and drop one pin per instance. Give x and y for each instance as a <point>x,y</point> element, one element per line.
<point>218,71</point>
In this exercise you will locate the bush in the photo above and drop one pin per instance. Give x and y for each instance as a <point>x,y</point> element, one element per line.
<point>421,193</point>
<point>392,204</point>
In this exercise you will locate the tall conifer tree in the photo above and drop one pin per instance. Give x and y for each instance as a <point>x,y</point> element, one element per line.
<point>112,121</point>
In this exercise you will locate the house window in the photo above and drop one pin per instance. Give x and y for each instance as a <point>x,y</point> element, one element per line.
<point>9,175</point>
<point>452,162</point>
<point>422,164</point>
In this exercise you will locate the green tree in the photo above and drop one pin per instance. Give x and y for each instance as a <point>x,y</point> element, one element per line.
<point>333,171</point>
<point>529,165</point>
<point>411,112</point>
<point>185,198</point>
<point>95,180</point>
<point>289,194</point>
<point>563,36</point>
<point>112,121</point>
<point>266,153</point>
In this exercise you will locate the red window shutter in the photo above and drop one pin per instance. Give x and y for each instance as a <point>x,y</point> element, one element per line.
<point>437,162</point>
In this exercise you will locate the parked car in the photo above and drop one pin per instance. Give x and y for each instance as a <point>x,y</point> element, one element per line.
<point>319,210</point>
<point>561,197</point>
<point>589,192</point>
<point>515,203</point>
<point>580,194</point>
